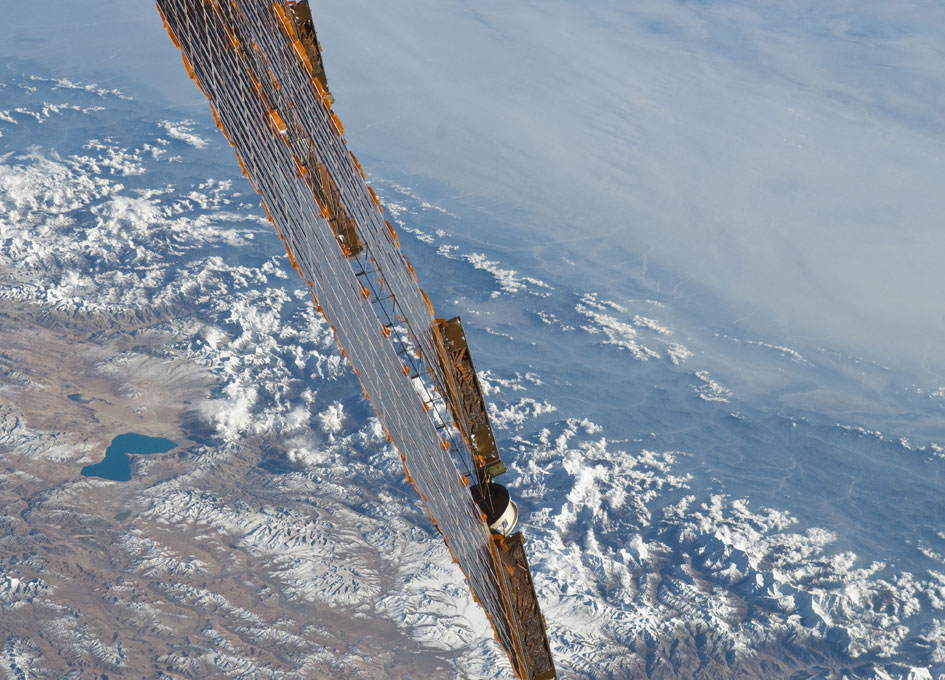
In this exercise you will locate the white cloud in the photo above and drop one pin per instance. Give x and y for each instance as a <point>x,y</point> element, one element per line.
<point>509,280</point>
<point>67,84</point>
<point>621,334</point>
<point>332,419</point>
<point>184,131</point>
<point>509,416</point>
<point>710,390</point>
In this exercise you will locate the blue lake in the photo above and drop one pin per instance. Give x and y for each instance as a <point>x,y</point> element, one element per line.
<point>117,465</point>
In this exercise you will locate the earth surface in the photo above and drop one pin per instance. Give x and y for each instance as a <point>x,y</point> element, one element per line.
<point>696,247</point>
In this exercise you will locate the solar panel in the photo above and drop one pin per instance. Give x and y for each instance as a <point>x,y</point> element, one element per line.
<point>260,66</point>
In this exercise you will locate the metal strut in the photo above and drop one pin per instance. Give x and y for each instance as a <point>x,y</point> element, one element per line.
<point>467,403</point>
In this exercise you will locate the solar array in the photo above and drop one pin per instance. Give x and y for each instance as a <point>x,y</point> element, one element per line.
<point>259,64</point>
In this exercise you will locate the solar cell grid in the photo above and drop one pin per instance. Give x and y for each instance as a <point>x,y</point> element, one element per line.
<point>245,57</point>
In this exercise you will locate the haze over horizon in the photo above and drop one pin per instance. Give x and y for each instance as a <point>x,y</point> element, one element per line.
<point>782,161</point>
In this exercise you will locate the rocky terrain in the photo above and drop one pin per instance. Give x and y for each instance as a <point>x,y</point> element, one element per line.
<point>679,524</point>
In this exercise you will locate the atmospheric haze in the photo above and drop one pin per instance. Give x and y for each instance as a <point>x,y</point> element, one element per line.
<point>785,160</point>
<point>696,248</point>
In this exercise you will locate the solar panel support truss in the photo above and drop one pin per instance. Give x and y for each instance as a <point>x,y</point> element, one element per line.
<point>467,403</point>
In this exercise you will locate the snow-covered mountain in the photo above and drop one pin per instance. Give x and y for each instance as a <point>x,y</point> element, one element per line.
<point>704,495</point>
